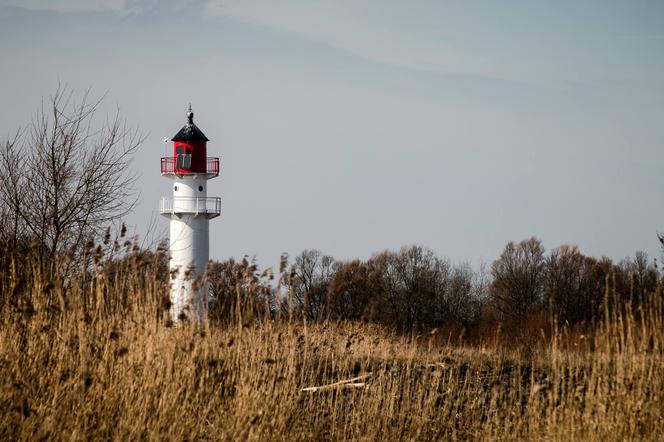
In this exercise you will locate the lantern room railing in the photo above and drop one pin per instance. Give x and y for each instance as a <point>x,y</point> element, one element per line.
<point>168,167</point>
<point>190,205</point>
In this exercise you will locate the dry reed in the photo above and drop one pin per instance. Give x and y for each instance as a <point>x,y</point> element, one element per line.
<point>94,358</point>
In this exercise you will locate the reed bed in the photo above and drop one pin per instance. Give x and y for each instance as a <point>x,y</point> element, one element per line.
<point>95,357</point>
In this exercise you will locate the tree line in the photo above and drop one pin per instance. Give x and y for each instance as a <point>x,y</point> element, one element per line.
<point>413,289</point>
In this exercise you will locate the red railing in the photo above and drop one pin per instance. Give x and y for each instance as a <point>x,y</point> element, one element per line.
<point>168,167</point>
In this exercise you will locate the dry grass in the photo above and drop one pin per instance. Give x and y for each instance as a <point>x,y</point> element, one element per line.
<point>99,361</point>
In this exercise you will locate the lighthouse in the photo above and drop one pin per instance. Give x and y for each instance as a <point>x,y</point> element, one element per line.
<point>189,211</point>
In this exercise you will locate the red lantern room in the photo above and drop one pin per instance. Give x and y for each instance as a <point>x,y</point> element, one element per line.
<point>190,152</point>
<point>190,148</point>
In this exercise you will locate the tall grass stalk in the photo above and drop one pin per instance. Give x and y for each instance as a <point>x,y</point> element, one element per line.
<point>95,357</point>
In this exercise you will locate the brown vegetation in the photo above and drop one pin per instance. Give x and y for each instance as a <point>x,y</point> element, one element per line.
<point>413,290</point>
<point>94,356</point>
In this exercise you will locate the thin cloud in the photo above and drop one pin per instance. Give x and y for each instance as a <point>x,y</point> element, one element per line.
<point>68,5</point>
<point>343,25</point>
<point>119,7</point>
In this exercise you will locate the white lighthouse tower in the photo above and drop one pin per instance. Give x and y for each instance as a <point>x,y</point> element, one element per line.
<point>189,211</point>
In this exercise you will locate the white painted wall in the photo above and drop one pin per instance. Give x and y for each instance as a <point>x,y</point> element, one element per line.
<point>189,248</point>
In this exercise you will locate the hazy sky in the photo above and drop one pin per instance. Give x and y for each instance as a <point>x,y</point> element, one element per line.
<point>355,126</point>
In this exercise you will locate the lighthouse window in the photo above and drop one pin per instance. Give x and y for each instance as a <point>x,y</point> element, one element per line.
<point>200,188</point>
<point>175,188</point>
<point>183,161</point>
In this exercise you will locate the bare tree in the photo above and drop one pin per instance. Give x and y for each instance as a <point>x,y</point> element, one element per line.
<point>68,174</point>
<point>641,277</point>
<point>462,299</point>
<point>350,293</point>
<point>412,288</point>
<point>311,273</point>
<point>518,279</point>
<point>574,285</point>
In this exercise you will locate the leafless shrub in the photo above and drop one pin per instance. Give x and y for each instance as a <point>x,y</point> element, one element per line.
<point>68,175</point>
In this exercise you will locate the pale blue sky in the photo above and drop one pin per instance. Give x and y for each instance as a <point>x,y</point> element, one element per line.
<point>355,126</point>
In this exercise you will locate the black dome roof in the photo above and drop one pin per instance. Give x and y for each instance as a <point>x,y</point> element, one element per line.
<point>190,132</point>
